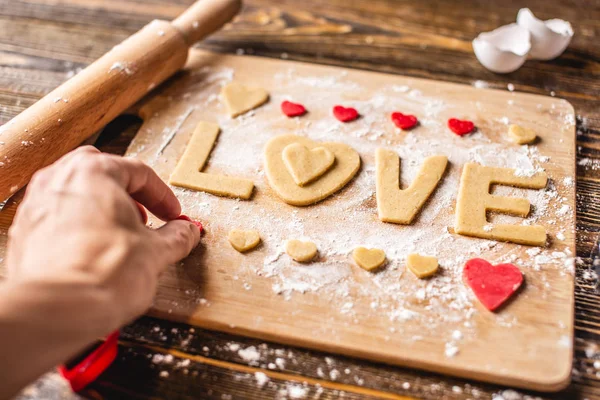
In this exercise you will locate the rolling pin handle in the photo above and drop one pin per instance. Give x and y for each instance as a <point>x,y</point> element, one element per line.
<point>204,17</point>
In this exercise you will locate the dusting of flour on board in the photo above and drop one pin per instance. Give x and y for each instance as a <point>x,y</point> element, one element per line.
<point>348,219</point>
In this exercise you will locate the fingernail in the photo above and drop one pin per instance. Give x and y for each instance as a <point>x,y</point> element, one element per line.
<point>186,218</point>
<point>143,213</point>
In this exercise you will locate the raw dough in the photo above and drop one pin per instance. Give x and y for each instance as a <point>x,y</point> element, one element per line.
<point>422,266</point>
<point>301,251</point>
<point>521,135</point>
<point>240,99</point>
<point>474,201</point>
<point>242,240</point>
<point>292,109</point>
<point>401,206</point>
<point>461,127</point>
<point>345,114</point>
<point>492,285</point>
<point>187,172</point>
<point>347,164</point>
<point>307,165</point>
<point>404,121</point>
<point>368,259</point>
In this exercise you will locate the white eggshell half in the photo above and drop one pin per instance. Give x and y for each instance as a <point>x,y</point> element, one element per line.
<point>502,50</point>
<point>548,38</point>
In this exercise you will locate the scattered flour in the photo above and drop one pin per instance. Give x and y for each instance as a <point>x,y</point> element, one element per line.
<point>357,296</point>
<point>121,66</point>
<point>250,354</point>
<point>261,379</point>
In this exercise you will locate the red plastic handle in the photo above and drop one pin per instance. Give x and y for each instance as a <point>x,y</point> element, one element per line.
<point>87,370</point>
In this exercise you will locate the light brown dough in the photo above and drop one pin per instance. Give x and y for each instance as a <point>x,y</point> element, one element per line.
<point>474,201</point>
<point>240,99</point>
<point>306,165</point>
<point>301,251</point>
<point>400,206</point>
<point>521,135</point>
<point>368,259</point>
<point>422,266</point>
<point>347,164</point>
<point>187,172</point>
<point>243,241</point>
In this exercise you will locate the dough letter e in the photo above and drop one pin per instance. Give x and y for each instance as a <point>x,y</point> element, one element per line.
<point>474,201</point>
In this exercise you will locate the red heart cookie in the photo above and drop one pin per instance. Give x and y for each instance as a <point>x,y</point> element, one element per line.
<point>404,122</point>
<point>345,114</point>
<point>492,285</point>
<point>292,109</point>
<point>460,127</point>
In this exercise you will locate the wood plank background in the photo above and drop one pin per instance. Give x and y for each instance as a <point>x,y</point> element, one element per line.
<point>43,42</point>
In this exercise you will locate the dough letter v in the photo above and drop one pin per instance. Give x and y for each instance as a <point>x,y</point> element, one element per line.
<point>401,206</point>
<point>187,172</point>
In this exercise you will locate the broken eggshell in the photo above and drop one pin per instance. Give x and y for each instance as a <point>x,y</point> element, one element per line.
<point>503,50</point>
<point>548,38</point>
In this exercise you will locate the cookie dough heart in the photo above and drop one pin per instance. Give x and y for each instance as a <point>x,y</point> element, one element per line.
<point>306,165</point>
<point>242,240</point>
<point>404,121</point>
<point>422,266</point>
<point>347,164</point>
<point>521,135</point>
<point>345,114</point>
<point>492,285</point>
<point>301,251</point>
<point>460,127</point>
<point>292,109</point>
<point>240,99</point>
<point>368,259</point>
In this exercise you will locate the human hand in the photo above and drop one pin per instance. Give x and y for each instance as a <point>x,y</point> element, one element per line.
<point>80,261</point>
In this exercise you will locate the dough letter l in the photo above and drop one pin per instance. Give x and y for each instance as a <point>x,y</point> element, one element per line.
<point>187,172</point>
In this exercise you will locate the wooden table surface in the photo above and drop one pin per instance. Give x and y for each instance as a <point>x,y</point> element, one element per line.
<point>44,42</point>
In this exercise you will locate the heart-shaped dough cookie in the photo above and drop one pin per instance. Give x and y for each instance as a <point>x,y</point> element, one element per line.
<point>242,240</point>
<point>347,164</point>
<point>368,259</point>
<point>422,266</point>
<point>521,135</point>
<point>306,165</point>
<point>492,284</point>
<point>301,251</point>
<point>240,99</point>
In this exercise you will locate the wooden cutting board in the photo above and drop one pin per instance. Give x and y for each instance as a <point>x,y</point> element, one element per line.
<point>332,305</point>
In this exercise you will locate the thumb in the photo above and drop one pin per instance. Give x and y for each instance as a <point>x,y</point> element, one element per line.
<point>178,238</point>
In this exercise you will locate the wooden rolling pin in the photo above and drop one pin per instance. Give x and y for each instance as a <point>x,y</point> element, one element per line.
<point>83,105</point>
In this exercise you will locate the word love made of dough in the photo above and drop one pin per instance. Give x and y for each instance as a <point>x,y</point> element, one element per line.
<point>303,172</point>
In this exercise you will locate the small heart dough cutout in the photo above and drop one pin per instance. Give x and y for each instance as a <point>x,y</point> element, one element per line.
<point>403,121</point>
<point>301,251</point>
<point>345,114</point>
<point>240,99</point>
<point>460,127</point>
<point>521,135</point>
<point>292,109</point>
<point>492,285</point>
<point>307,165</point>
<point>368,259</point>
<point>242,240</point>
<point>422,266</point>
